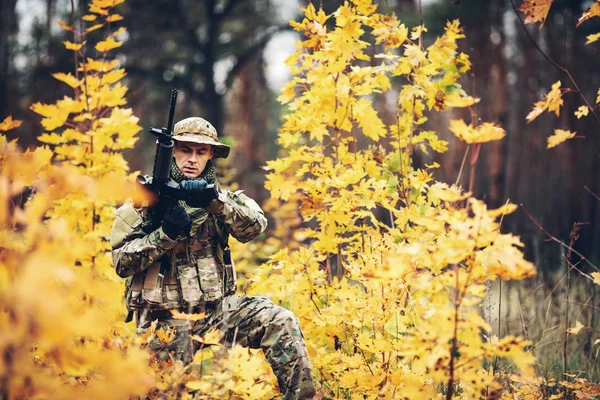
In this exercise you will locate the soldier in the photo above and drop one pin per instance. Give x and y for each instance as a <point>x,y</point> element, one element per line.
<point>200,276</point>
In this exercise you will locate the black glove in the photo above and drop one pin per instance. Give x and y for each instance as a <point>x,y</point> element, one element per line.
<point>176,220</point>
<point>195,187</point>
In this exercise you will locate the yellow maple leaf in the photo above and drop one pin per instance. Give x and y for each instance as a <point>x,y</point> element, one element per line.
<point>592,38</point>
<point>596,277</point>
<point>94,28</point>
<point>9,123</point>
<point>108,45</point>
<point>535,10</point>
<point>68,79</point>
<point>188,317</point>
<point>114,18</point>
<point>552,102</point>
<point>593,11</point>
<point>65,26</point>
<point>560,135</point>
<point>390,31</point>
<point>582,112</point>
<point>166,334</point>
<point>73,46</point>
<point>576,329</point>
<point>89,17</point>
<point>486,132</point>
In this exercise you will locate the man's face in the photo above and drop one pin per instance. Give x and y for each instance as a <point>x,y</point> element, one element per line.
<point>191,158</point>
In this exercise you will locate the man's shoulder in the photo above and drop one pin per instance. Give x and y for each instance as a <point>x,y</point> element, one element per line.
<point>128,218</point>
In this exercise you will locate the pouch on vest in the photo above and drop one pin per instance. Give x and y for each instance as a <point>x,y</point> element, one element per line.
<point>190,283</point>
<point>153,282</point>
<point>210,282</point>
<point>230,278</point>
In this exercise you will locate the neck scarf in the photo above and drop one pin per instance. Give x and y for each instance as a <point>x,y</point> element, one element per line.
<point>198,215</point>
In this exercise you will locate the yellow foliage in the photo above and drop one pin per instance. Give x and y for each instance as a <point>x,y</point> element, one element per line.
<point>560,135</point>
<point>552,102</point>
<point>9,124</point>
<point>379,300</point>
<point>485,132</point>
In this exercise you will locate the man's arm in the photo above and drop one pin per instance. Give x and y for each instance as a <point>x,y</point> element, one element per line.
<point>243,216</point>
<point>133,249</point>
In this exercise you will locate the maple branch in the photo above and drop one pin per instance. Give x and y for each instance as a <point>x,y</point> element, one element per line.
<point>554,239</point>
<point>592,193</point>
<point>585,305</point>
<point>74,41</point>
<point>562,69</point>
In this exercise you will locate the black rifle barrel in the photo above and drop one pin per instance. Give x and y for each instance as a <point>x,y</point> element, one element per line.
<point>174,94</point>
<point>164,148</point>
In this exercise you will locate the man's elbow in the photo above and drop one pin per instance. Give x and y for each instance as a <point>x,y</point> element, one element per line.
<point>124,272</point>
<point>122,269</point>
<point>252,233</point>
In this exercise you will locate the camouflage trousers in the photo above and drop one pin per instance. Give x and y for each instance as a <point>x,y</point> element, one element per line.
<point>253,322</point>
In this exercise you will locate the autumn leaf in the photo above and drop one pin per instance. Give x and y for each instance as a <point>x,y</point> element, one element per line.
<point>114,18</point>
<point>108,44</point>
<point>188,317</point>
<point>535,10</point>
<point>485,132</point>
<point>593,38</point>
<point>166,334</point>
<point>582,111</point>
<point>559,136</point>
<point>73,46</point>
<point>9,123</point>
<point>552,102</point>
<point>68,79</point>
<point>65,26</point>
<point>576,329</point>
<point>593,11</point>
<point>89,17</point>
<point>94,28</point>
<point>596,277</point>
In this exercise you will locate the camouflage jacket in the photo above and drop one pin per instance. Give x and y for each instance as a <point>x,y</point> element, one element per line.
<point>198,268</point>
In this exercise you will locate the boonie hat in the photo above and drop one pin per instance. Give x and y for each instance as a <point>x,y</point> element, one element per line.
<point>199,130</point>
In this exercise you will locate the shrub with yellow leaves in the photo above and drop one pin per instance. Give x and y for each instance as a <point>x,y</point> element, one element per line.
<point>393,268</point>
<point>58,338</point>
<point>61,331</point>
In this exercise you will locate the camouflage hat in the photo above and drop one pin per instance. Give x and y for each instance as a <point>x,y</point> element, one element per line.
<point>199,130</point>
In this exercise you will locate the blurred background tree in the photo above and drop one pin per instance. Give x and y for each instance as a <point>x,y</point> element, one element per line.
<point>226,57</point>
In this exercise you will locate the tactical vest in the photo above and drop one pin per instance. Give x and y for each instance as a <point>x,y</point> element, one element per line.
<point>198,271</point>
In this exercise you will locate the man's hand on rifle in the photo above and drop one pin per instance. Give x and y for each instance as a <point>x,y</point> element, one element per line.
<point>195,187</point>
<point>176,220</point>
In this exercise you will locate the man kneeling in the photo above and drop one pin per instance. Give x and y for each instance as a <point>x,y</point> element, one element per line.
<point>199,276</point>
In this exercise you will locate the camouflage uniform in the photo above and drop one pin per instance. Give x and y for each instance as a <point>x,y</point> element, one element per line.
<point>200,278</point>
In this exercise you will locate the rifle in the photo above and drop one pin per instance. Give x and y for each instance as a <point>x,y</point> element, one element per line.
<point>159,185</point>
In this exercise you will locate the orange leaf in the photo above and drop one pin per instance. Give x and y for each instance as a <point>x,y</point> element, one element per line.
<point>65,26</point>
<point>593,11</point>
<point>535,10</point>
<point>9,124</point>
<point>89,17</point>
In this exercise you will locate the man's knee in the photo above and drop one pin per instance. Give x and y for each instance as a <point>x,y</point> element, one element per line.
<point>285,318</point>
